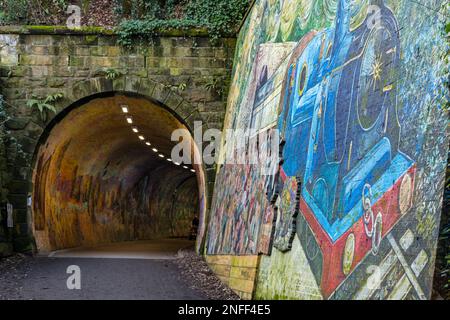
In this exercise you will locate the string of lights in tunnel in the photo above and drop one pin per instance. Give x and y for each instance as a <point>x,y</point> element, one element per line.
<point>135,130</point>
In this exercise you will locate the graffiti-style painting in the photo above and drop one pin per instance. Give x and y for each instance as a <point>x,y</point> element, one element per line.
<point>362,151</point>
<point>86,198</point>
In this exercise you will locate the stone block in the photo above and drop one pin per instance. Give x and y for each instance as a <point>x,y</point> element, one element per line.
<point>160,92</point>
<point>246,286</point>
<point>108,62</point>
<point>6,249</point>
<point>218,259</point>
<point>23,244</point>
<point>146,87</point>
<point>245,261</point>
<point>84,50</point>
<point>17,123</point>
<point>132,83</point>
<point>221,270</point>
<point>8,51</point>
<point>243,273</point>
<point>21,216</point>
<point>33,130</point>
<point>19,201</point>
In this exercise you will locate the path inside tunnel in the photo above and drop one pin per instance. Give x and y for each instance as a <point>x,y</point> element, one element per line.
<point>163,249</point>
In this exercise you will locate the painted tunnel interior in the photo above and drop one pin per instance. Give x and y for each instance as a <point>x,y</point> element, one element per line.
<point>104,174</point>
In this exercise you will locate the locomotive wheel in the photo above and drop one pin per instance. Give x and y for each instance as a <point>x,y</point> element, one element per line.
<point>377,232</point>
<point>368,213</point>
<point>405,194</point>
<point>348,254</point>
<point>376,77</point>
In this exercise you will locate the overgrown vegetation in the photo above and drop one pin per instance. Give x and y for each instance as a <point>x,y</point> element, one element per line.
<point>216,85</point>
<point>134,20</point>
<point>3,160</point>
<point>10,151</point>
<point>442,274</point>
<point>144,18</point>
<point>49,12</point>
<point>45,104</point>
<point>111,73</point>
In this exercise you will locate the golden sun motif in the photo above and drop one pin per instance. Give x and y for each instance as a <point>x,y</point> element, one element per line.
<point>376,71</point>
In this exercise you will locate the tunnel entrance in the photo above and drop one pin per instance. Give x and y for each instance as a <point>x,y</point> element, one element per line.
<point>103,174</point>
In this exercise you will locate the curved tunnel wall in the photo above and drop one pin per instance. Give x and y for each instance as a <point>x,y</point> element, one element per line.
<point>95,181</point>
<point>165,202</point>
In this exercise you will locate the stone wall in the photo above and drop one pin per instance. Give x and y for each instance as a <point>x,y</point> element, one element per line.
<point>184,72</point>
<point>5,235</point>
<point>237,272</point>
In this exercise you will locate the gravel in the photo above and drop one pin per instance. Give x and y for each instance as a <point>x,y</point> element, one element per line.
<point>13,270</point>
<point>198,276</point>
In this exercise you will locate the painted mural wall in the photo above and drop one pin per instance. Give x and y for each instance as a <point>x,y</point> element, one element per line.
<point>355,89</point>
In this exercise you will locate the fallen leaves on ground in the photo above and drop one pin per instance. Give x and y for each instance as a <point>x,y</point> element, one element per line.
<point>197,274</point>
<point>13,270</point>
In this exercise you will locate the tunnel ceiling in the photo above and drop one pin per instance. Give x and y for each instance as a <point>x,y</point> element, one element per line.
<point>97,138</point>
<point>93,176</point>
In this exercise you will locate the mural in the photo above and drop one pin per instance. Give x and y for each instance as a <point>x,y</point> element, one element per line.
<point>355,199</point>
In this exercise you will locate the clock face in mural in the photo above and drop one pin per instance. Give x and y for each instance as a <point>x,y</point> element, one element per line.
<point>376,77</point>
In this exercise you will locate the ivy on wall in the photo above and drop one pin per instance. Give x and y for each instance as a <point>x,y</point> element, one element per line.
<point>133,19</point>
<point>442,274</point>
<point>3,176</point>
<point>219,17</point>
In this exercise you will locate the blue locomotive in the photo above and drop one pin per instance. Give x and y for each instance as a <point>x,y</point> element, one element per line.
<point>340,134</point>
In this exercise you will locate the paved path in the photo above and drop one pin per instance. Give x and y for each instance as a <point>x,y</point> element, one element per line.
<point>152,249</point>
<point>133,270</point>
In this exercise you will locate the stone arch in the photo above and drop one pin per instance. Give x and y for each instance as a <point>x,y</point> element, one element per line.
<point>86,90</point>
<point>157,92</point>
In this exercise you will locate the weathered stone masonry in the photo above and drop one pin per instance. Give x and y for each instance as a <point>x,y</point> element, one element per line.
<point>172,70</point>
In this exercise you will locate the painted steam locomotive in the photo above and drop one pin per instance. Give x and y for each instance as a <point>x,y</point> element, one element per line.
<point>340,134</point>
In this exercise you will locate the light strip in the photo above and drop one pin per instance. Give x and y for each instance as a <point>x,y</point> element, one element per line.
<point>141,137</point>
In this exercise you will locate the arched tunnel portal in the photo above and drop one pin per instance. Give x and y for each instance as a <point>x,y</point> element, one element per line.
<point>103,173</point>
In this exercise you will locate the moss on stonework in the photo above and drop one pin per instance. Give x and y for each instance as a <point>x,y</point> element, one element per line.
<point>43,29</point>
<point>24,244</point>
<point>85,30</point>
<point>5,249</point>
